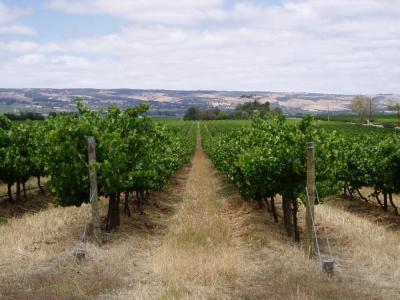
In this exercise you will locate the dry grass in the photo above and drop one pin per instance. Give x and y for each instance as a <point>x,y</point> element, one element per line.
<point>37,257</point>
<point>274,267</point>
<point>199,257</point>
<point>35,238</point>
<point>37,261</point>
<point>365,251</point>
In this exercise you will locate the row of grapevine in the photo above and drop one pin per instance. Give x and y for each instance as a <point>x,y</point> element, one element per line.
<point>268,158</point>
<point>134,154</point>
<point>21,153</point>
<point>369,160</point>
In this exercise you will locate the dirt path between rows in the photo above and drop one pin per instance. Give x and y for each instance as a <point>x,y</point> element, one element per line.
<point>197,256</point>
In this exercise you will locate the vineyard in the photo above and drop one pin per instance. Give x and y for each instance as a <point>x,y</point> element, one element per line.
<point>186,230</point>
<point>135,155</point>
<point>267,158</point>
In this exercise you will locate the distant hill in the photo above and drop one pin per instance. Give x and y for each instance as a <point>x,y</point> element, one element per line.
<point>174,103</point>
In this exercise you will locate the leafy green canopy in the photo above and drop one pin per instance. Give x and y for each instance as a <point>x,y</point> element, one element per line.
<point>268,157</point>
<point>134,153</point>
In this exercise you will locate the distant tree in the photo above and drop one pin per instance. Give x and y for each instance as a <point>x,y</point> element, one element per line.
<point>191,113</point>
<point>396,107</point>
<point>242,111</point>
<point>25,116</point>
<point>208,114</point>
<point>247,109</point>
<point>64,113</point>
<point>248,96</point>
<point>362,105</point>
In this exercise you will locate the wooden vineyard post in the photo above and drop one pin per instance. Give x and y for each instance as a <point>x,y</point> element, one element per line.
<point>93,190</point>
<point>310,199</point>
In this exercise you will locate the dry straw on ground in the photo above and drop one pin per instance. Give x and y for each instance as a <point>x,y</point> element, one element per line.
<point>367,252</point>
<point>199,257</point>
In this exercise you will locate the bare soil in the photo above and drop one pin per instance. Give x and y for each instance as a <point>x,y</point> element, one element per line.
<point>36,202</point>
<point>370,211</point>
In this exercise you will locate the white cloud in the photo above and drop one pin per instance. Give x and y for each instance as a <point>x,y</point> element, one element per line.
<point>6,14</point>
<point>342,46</point>
<point>170,12</point>
<point>30,59</point>
<point>9,17</point>
<point>17,30</point>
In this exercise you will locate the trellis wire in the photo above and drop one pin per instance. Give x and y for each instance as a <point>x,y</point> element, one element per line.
<point>325,233</point>
<point>315,232</point>
<point>84,234</point>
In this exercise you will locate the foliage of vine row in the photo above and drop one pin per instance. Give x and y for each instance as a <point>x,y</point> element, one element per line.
<point>268,158</point>
<point>134,154</point>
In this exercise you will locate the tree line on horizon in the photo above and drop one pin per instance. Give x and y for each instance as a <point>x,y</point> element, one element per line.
<point>241,111</point>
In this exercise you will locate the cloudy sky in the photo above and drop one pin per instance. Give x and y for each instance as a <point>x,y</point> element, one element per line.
<point>338,46</point>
